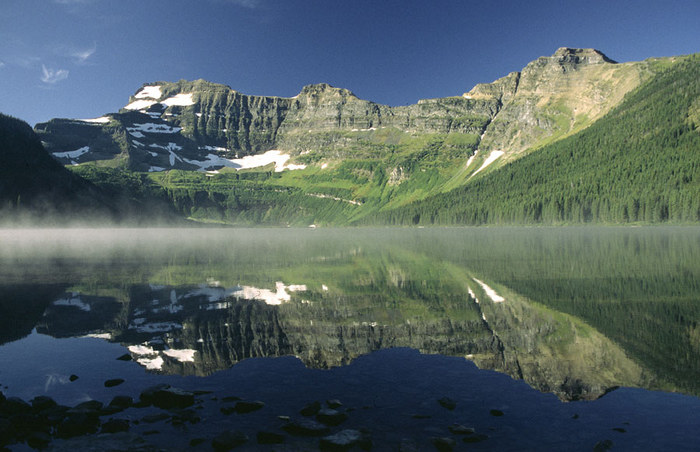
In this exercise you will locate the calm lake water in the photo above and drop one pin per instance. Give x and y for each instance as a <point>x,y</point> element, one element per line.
<point>571,332</point>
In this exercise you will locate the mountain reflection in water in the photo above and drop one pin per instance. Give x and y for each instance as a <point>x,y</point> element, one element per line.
<point>571,311</point>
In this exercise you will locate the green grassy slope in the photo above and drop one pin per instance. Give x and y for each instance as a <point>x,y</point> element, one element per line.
<point>386,168</point>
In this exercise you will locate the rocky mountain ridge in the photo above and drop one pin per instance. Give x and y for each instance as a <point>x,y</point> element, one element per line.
<point>204,126</point>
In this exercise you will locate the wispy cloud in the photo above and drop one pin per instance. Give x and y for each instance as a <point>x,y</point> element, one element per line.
<point>2,64</point>
<point>81,56</point>
<point>52,76</point>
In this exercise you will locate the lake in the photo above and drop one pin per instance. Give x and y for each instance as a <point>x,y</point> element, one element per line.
<point>537,338</point>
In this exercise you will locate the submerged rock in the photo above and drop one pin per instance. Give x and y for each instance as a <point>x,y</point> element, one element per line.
<point>105,441</point>
<point>265,437</point>
<point>475,438</point>
<point>38,440</point>
<point>408,445</point>
<point>331,417</point>
<point>448,403</point>
<point>167,397</point>
<point>78,424</point>
<point>334,403</point>
<point>157,417</point>
<point>244,406</point>
<point>43,403</point>
<point>228,440</point>
<point>91,407</point>
<point>603,446</point>
<point>113,382</point>
<point>444,444</point>
<point>305,427</point>
<point>115,426</point>
<point>14,405</point>
<point>186,415</point>
<point>311,409</point>
<point>345,440</point>
<point>121,402</point>
<point>459,429</point>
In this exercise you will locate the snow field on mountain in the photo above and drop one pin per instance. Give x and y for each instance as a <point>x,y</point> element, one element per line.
<point>489,160</point>
<point>181,100</point>
<point>149,92</point>
<point>72,154</point>
<point>249,161</point>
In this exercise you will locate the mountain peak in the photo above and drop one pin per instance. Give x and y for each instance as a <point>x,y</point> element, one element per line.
<point>580,56</point>
<point>320,89</point>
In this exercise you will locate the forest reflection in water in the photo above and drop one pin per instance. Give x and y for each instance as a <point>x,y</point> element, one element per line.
<point>573,311</point>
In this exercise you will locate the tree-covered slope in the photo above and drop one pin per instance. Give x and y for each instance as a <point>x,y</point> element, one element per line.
<point>639,163</point>
<point>33,183</point>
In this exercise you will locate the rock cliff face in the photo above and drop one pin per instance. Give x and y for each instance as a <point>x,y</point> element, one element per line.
<point>553,97</point>
<point>200,125</point>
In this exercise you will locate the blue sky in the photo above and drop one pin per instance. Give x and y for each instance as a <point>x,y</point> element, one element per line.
<point>83,58</point>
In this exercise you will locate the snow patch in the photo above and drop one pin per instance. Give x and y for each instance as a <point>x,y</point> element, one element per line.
<point>491,158</point>
<point>149,92</point>
<point>214,148</point>
<point>249,161</point>
<point>74,301</point>
<point>100,120</point>
<point>173,157</point>
<point>212,294</point>
<point>72,154</point>
<point>155,169</point>
<point>151,364</point>
<point>471,294</point>
<point>151,127</point>
<point>471,159</point>
<point>276,297</point>
<point>180,100</point>
<point>490,292</point>
<point>157,327</point>
<point>186,355</point>
<point>169,147</point>
<point>106,336</point>
<point>140,104</point>
<point>141,350</point>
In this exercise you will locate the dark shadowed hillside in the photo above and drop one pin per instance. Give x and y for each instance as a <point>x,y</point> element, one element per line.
<point>35,188</point>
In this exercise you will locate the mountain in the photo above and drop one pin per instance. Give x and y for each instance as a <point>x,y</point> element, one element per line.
<point>326,156</point>
<point>199,125</point>
<point>638,163</point>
